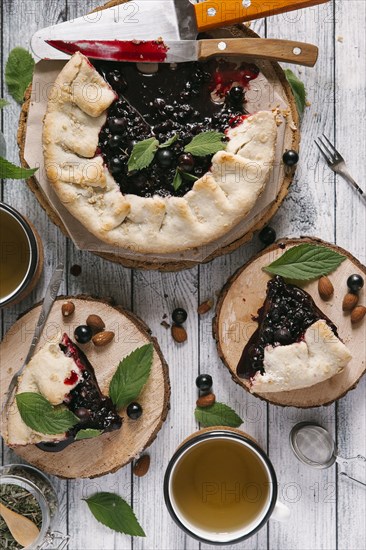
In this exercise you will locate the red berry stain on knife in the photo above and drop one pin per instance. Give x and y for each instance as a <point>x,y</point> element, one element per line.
<point>152,51</point>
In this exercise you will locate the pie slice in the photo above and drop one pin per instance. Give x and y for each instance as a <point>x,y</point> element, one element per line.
<point>62,373</point>
<point>295,345</point>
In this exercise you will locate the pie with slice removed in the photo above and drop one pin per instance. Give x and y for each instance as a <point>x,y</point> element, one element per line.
<point>295,345</point>
<point>174,200</point>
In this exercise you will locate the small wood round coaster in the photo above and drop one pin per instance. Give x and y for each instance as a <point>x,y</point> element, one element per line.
<point>177,265</point>
<point>244,294</point>
<point>108,452</point>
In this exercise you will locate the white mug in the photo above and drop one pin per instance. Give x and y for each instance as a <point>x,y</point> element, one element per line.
<point>269,508</point>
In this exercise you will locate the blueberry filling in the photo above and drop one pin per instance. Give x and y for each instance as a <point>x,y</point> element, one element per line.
<point>286,314</point>
<point>173,101</point>
<point>94,410</point>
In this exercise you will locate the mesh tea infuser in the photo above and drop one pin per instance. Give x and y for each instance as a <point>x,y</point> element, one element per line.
<point>313,445</point>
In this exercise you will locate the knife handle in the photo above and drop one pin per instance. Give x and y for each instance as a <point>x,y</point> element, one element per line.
<point>219,13</point>
<point>299,53</point>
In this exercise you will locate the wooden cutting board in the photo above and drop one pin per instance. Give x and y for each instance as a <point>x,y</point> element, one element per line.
<point>244,294</point>
<point>292,140</point>
<point>109,452</point>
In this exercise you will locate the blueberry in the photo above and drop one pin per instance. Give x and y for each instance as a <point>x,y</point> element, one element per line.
<point>236,94</point>
<point>290,158</point>
<point>83,334</point>
<point>134,411</point>
<point>282,336</point>
<point>204,382</point>
<point>355,282</point>
<point>164,157</point>
<point>267,235</point>
<point>186,162</point>
<point>179,316</point>
<point>117,125</point>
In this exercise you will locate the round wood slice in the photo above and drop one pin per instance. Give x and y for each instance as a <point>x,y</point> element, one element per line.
<point>108,452</point>
<point>245,293</point>
<point>177,265</point>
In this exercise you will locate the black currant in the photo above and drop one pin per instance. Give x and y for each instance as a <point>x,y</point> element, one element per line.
<point>83,334</point>
<point>236,94</point>
<point>115,141</point>
<point>118,125</point>
<point>290,158</point>
<point>134,411</point>
<point>179,316</point>
<point>282,336</point>
<point>267,235</point>
<point>204,382</point>
<point>116,166</point>
<point>355,282</point>
<point>186,162</point>
<point>164,157</point>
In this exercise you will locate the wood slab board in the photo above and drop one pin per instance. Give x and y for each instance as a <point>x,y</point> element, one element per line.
<point>293,136</point>
<point>245,293</point>
<point>108,452</point>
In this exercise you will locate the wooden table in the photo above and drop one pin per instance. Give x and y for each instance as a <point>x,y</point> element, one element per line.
<point>326,513</point>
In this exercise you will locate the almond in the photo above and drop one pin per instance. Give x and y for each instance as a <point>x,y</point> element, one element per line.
<point>205,307</point>
<point>358,314</point>
<point>349,301</point>
<point>179,334</point>
<point>95,323</point>
<point>206,400</point>
<point>103,338</point>
<point>142,466</point>
<point>67,309</point>
<point>325,288</point>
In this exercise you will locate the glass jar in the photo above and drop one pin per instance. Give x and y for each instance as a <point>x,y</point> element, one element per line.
<point>38,485</point>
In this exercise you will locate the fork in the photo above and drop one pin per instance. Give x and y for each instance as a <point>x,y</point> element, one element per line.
<point>336,162</point>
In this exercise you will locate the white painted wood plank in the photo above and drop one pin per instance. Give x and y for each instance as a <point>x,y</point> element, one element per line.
<point>156,295</point>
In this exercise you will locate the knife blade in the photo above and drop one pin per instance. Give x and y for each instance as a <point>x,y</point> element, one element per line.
<point>155,19</point>
<point>191,50</point>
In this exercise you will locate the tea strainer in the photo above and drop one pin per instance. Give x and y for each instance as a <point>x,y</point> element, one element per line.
<point>314,446</point>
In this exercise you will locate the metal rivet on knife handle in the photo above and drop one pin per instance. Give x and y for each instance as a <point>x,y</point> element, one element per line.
<point>210,15</point>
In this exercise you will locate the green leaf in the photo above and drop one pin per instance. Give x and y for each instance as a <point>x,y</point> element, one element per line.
<point>9,170</point>
<point>19,73</point>
<point>131,376</point>
<point>143,154</point>
<point>42,417</point>
<point>169,142</point>
<point>217,414</point>
<point>298,89</point>
<point>207,143</point>
<point>87,434</point>
<point>305,262</point>
<point>3,103</point>
<point>177,181</point>
<point>189,177</point>
<point>114,512</point>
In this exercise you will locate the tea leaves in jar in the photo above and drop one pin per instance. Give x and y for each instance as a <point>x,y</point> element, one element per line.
<point>21,501</point>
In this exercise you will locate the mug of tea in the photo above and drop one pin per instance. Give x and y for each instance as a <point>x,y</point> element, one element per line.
<point>220,487</point>
<point>21,256</point>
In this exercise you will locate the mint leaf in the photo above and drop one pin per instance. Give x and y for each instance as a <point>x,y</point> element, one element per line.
<point>3,103</point>
<point>217,414</point>
<point>42,417</point>
<point>114,512</point>
<point>189,177</point>
<point>19,73</point>
<point>131,376</point>
<point>298,89</point>
<point>177,181</point>
<point>169,142</point>
<point>204,144</point>
<point>9,170</point>
<point>305,262</point>
<point>87,434</point>
<point>143,154</point>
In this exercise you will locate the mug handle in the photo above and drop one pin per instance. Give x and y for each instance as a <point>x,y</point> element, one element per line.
<point>280,512</point>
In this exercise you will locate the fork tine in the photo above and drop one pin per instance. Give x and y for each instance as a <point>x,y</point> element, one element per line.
<point>328,161</point>
<point>336,153</point>
<point>331,155</point>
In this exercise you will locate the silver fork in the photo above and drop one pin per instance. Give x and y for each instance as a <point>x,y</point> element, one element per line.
<point>336,162</point>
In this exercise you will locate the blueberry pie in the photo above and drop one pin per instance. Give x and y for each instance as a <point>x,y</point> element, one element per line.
<point>179,197</point>
<point>295,345</point>
<point>62,373</point>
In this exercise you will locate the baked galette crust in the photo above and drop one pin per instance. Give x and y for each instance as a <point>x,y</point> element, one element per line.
<point>216,203</point>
